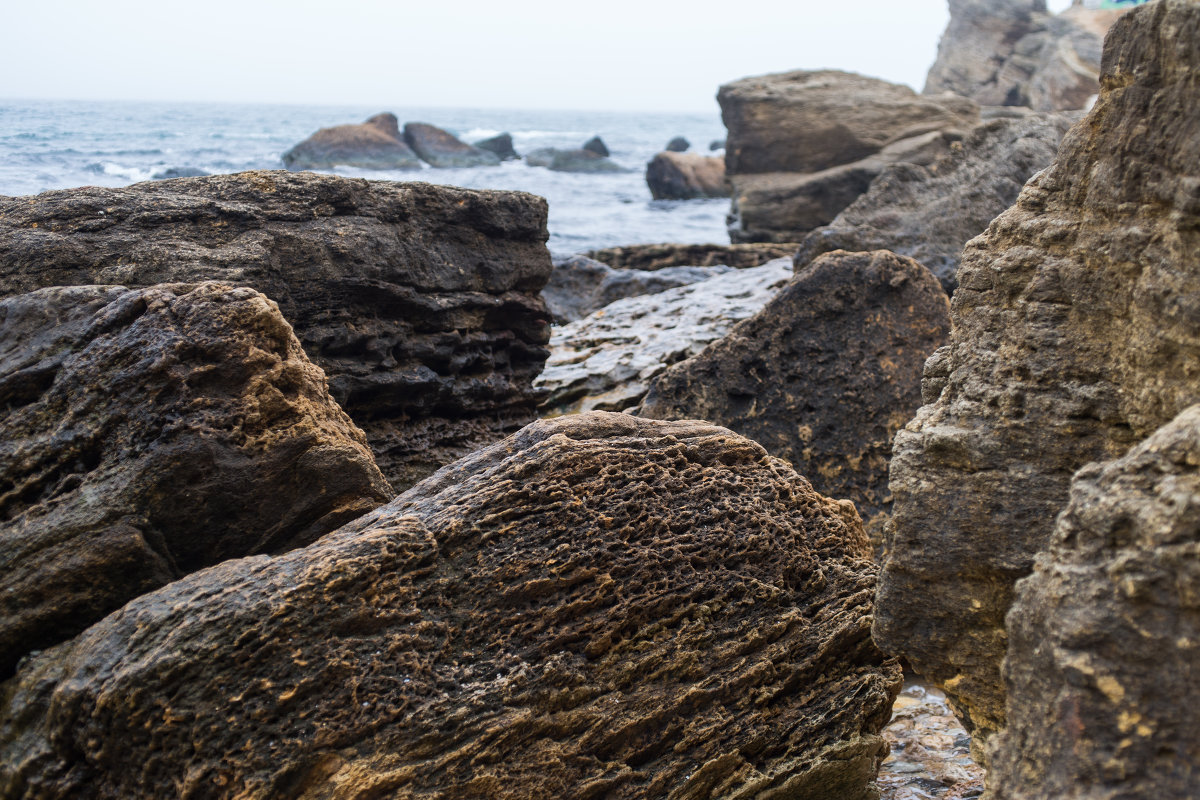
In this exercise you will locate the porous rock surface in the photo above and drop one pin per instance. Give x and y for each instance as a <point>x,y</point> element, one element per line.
<point>1104,636</point>
<point>420,302</point>
<point>374,144</point>
<point>1074,337</point>
<point>598,606</point>
<point>824,375</point>
<point>670,254</point>
<point>686,176</point>
<point>580,285</point>
<point>443,149</point>
<point>147,433</point>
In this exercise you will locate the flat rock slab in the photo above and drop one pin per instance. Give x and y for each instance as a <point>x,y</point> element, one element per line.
<point>580,285</point>
<point>597,606</point>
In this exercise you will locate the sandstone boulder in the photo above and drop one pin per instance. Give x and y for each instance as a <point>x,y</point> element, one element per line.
<point>580,285</point>
<point>147,433</point>
<point>442,149</point>
<point>685,176</point>
<point>1074,336</point>
<point>501,145</point>
<point>420,302</point>
<point>598,606</point>
<point>596,146</point>
<point>374,144</point>
<point>658,256</point>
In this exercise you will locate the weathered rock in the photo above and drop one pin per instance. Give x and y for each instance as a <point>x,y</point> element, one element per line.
<point>420,302</point>
<point>1074,336</point>
<point>1103,636</point>
<point>659,256</point>
<point>374,144</point>
<point>442,149</point>
<point>678,145</point>
<point>501,145</point>
<point>580,285</point>
<point>148,433</point>
<point>598,606</point>
<point>930,212</point>
<point>597,146</point>
<point>606,360</point>
<point>824,375</point>
<point>684,176</point>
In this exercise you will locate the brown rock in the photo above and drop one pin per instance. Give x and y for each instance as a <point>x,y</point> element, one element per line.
<point>442,149</point>
<point>685,176</point>
<point>658,256</point>
<point>598,606</point>
<point>375,144</point>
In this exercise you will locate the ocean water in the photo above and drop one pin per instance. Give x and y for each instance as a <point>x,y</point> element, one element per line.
<point>63,144</point>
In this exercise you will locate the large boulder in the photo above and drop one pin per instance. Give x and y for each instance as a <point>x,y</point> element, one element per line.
<point>420,302</point>
<point>500,144</point>
<point>1074,336</point>
<point>374,144</point>
<point>685,176</point>
<point>442,149</point>
<point>580,285</point>
<point>824,375</point>
<point>598,606</point>
<point>1103,636</point>
<point>670,254</point>
<point>929,213</point>
<point>147,433</point>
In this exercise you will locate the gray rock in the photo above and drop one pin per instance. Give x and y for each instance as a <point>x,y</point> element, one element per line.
<point>580,285</point>
<point>440,148</point>
<point>501,145</point>
<point>678,145</point>
<point>571,160</point>
<point>375,144</point>
<point>597,146</point>
<point>178,172</point>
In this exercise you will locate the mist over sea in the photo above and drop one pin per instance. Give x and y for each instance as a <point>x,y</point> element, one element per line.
<point>57,144</point>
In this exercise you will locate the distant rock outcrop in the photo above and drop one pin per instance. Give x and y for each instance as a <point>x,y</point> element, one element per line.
<point>571,160</point>
<point>598,606</point>
<point>374,144</point>
<point>501,145</point>
<point>580,285</point>
<point>597,146</point>
<point>442,149</point>
<point>678,145</point>
<point>686,176</point>
<point>659,256</point>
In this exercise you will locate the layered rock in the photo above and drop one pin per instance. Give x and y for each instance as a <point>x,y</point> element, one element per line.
<point>1103,636</point>
<point>148,433</point>
<point>580,285</point>
<point>420,302</point>
<point>824,375</point>
<point>685,176</point>
<point>501,145</point>
<point>1074,337</point>
<point>578,611</point>
<point>659,256</point>
<point>441,148</point>
<point>374,144</point>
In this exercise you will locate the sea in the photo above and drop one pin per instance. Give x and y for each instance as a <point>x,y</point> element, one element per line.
<point>58,144</point>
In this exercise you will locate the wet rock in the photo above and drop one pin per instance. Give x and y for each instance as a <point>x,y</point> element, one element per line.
<point>420,302</point>
<point>440,148</point>
<point>1074,337</point>
<point>824,375</point>
<point>147,433</point>
<point>580,285</point>
<point>577,611</point>
<point>374,144</point>
<point>658,256</point>
<point>501,145</point>
<point>678,145</point>
<point>685,176</point>
<point>597,146</point>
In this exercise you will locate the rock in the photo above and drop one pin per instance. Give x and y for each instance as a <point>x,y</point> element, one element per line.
<point>580,285</point>
<point>716,144</point>
<point>596,145</point>
<point>178,172</point>
<point>658,256</point>
<point>930,212</point>
<point>375,144</point>
<point>582,610</point>
<point>1103,635</point>
<point>1074,337</point>
<point>540,157</point>
<point>571,160</point>
<point>606,360</point>
<point>148,433</point>
<point>420,302</point>
<point>441,149</point>
<point>824,375</point>
<point>501,145</point>
<point>684,176</point>
<point>678,145</point>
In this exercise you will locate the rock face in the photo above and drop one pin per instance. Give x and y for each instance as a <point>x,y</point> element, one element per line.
<point>597,146</point>
<point>685,176</point>
<point>420,302</point>
<point>929,213</point>
<point>824,375</point>
<point>1103,636</point>
<point>375,144</point>
<point>606,360</point>
<point>501,145</point>
<point>148,433</point>
<point>577,612</point>
<point>441,149</point>
<point>580,285</point>
<point>659,256</point>
<point>1074,337</point>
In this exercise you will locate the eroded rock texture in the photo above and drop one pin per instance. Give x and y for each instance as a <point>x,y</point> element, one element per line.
<point>658,256</point>
<point>824,375</point>
<point>1075,336</point>
<point>580,285</point>
<point>147,433</point>
<point>1104,636</point>
<point>599,606</point>
<point>420,302</point>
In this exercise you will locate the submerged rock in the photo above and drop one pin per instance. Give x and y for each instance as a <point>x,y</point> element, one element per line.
<point>442,149</point>
<point>685,176</point>
<point>580,285</point>
<point>374,144</point>
<point>659,256</point>
<point>597,606</point>
<point>501,145</point>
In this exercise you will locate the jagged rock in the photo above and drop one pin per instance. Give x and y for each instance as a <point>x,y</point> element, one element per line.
<point>442,149</point>
<point>684,176</point>
<point>501,145</point>
<point>1103,636</point>
<point>678,145</point>
<point>606,360</point>
<point>580,285</point>
<point>374,144</point>
<point>658,256</point>
<point>600,605</point>
<point>148,433</point>
<point>930,212</point>
<point>1074,336</point>
<point>420,302</point>
<point>824,375</point>
<point>597,146</point>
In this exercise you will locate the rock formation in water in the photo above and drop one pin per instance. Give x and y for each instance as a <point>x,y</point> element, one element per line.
<point>597,146</point>
<point>420,302</point>
<point>580,285</point>
<point>441,148</point>
<point>597,606</point>
<point>580,160</point>
<point>824,375</point>
<point>660,256</point>
<point>678,144</point>
<point>1074,337</point>
<point>374,144</point>
<point>147,433</point>
<point>500,144</point>
<point>686,176</point>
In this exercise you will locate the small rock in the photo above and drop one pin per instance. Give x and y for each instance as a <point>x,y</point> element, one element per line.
<point>678,145</point>
<point>596,145</point>
<point>501,145</point>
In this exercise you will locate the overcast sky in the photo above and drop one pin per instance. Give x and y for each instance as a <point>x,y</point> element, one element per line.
<point>604,54</point>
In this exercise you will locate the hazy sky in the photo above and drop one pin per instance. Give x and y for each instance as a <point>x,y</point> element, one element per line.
<point>603,54</point>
